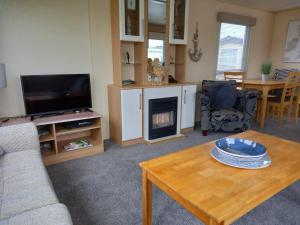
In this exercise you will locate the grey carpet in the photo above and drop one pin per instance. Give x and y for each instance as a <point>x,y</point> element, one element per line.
<point>106,189</point>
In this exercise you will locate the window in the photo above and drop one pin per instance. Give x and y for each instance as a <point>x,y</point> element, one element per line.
<point>233,46</point>
<point>156,49</point>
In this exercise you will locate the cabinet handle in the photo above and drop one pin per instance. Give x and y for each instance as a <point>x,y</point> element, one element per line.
<point>140,101</point>
<point>184,97</point>
<point>143,27</point>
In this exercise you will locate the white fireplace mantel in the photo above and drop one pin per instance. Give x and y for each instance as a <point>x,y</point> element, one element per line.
<point>156,93</point>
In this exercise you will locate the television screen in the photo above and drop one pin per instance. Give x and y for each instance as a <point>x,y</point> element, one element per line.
<point>44,94</point>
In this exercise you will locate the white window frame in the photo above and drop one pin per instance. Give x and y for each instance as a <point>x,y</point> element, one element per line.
<point>245,50</point>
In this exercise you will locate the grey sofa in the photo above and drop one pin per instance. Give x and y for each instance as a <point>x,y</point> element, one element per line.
<point>26,193</point>
<point>224,108</point>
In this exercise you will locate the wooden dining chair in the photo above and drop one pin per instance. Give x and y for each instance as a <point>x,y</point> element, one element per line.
<point>285,102</point>
<point>297,106</point>
<point>237,76</point>
<point>297,97</point>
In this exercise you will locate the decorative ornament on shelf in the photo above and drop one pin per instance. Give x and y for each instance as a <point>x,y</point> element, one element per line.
<point>196,53</point>
<point>127,58</point>
<point>156,71</point>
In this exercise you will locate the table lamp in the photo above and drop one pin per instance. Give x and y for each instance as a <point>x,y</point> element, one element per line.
<point>2,76</point>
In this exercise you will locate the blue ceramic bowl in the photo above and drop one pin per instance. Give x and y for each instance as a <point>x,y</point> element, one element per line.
<point>240,147</point>
<point>240,162</point>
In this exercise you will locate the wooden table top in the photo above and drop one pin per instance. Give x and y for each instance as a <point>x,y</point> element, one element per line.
<point>207,187</point>
<point>267,82</point>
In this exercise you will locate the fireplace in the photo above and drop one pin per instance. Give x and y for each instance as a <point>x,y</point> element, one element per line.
<point>162,117</point>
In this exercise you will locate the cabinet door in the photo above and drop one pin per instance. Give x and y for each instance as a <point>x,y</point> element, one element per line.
<point>131,20</point>
<point>188,106</point>
<point>131,107</point>
<point>179,16</point>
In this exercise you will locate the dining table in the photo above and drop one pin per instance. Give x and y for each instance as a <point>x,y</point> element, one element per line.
<point>265,87</point>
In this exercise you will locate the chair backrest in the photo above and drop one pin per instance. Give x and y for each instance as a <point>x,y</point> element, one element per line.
<point>237,76</point>
<point>291,83</point>
<point>282,74</point>
<point>297,92</point>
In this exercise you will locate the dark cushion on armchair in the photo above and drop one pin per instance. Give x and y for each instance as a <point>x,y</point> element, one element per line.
<point>222,96</point>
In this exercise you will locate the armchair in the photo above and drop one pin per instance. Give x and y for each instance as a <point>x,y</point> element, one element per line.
<point>224,108</point>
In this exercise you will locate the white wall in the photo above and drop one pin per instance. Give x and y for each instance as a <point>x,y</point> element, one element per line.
<point>205,12</point>
<point>280,30</point>
<point>54,37</point>
<point>74,36</point>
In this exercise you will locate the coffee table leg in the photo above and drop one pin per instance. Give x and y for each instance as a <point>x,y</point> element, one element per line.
<point>147,200</point>
<point>214,222</point>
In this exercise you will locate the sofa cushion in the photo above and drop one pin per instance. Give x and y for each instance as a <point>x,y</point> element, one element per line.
<point>223,96</point>
<point>19,138</point>
<point>25,183</point>
<point>56,214</point>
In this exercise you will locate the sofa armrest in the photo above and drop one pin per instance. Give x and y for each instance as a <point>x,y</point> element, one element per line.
<point>247,104</point>
<point>20,137</point>
<point>205,112</point>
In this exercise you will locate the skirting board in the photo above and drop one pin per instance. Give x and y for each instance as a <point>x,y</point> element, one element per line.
<point>132,142</point>
<point>187,130</point>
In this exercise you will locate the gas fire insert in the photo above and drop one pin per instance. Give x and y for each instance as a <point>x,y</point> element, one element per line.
<point>162,117</point>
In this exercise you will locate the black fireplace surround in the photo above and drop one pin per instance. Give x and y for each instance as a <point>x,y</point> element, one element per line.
<point>162,117</point>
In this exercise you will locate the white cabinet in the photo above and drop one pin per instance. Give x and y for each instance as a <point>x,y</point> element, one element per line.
<point>188,106</point>
<point>179,21</point>
<point>131,15</point>
<point>131,112</point>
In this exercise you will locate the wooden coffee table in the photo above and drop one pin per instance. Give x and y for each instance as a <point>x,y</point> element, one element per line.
<point>216,193</point>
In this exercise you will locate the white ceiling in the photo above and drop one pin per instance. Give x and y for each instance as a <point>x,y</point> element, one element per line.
<point>269,5</point>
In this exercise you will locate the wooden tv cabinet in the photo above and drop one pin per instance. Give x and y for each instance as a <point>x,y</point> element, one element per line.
<point>60,136</point>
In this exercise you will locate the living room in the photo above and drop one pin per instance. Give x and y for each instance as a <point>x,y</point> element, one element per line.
<point>144,101</point>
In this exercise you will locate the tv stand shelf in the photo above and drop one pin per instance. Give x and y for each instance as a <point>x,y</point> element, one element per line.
<point>46,138</point>
<point>59,136</point>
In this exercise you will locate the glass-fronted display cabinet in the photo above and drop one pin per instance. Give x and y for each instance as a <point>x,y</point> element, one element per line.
<point>131,20</point>
<point>179,14</point>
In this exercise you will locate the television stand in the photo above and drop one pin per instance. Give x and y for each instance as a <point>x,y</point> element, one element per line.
<point>46,115</point>
<point>88,110</point>
<point>60,136</point>
<point>83,110</point>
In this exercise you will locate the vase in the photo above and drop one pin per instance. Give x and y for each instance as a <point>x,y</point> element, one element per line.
<point>265,77</point>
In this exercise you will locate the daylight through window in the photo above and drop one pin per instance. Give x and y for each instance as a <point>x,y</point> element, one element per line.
<point>233,44</point>
<point>156,49</point>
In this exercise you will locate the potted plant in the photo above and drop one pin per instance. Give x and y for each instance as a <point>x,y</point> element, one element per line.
<point>266,70</point>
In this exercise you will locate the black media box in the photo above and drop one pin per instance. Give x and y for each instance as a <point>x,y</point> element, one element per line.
<point>77,124</point>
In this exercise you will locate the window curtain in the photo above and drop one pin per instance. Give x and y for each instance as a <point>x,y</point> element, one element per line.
<point>224,17</point>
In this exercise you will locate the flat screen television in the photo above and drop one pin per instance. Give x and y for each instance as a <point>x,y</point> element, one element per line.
<point>46,94</point>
